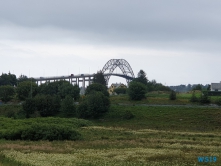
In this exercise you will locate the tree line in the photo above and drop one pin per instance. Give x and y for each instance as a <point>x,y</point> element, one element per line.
<point>190,87</point>
<point>59,98</point>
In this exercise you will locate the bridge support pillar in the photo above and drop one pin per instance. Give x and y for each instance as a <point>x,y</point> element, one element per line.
<point>83,85</point>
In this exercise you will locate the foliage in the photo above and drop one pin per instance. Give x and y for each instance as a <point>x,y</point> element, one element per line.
<point>36,132</point>
<point>99,78</point>
<point>128,115</point>
<point>98,88</point>
<point>120,90</point>
<point>49,132</point>
<point>29,107</point>
<point>22,78</point>
<point>218,101</point>
<point>197,87</point>
<point>47,105</point>
<point>50,88</point>
<point>136,90</point>
<point>8,79</point>
<point>68,108</point>
<point>204,98</point>
<point>26,89</point>
<point>193,97</point>
<point>94,105</point>
<point>41,105</point>
<point>189,87</point>
<point>68,89</point>
<point>61,88</point>
<point>41,128</point>
<point>154,86</point>
<point>141,77</point>
<point>172,95</point>
<point>6,93</point>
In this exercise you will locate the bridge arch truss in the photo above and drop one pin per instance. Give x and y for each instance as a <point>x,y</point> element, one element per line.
<point>125,67</point>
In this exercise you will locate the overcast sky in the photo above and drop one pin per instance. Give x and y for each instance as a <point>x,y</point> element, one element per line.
<point>175,42</point>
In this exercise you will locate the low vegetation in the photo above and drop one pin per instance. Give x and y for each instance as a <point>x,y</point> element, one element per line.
<point>120,130</point>
<point>41,129</point>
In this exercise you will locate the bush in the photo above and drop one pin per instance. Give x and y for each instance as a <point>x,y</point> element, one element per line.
<point>37,132</point>
<point>204,98</point>
<point>45,105</point>
<point>193,98</point>
<point>26,89</point>
<point>68,89</point>
<point>6,93</point>
<point>136,90</point>
<point>94,105</point>
<point>68,108</point>
<point>172,95</point>
<point>218,101</point>
<point>98,88</point>
<point>120,90</point>
<point>28,107</point>
<point>49,132</point>
<point>128,115</point>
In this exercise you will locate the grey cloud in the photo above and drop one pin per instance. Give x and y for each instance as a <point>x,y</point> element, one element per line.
<point>138,20</point>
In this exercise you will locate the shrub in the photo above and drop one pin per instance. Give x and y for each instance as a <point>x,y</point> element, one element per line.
<point>26,89</point>
<point>49,132</point>
<point>218,101</point>
<point>120,90</point>
<point>37,132</point>
<point>128,115</point>
<point>94,105</point>
<point>136,90</point>
<point>204,98</point>
<point>6,92</point>
<point>172,95</point>
<point>193,98</point>
<point>68,108</point>
<point>47,105</point>
<point>28,107</point>
<point>98,88</point>
<point>68,89</point>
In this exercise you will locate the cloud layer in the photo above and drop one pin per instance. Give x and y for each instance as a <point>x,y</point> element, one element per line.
<point>175,42</point>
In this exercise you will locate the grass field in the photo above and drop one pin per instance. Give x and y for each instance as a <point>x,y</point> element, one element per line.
<point>132,133</point>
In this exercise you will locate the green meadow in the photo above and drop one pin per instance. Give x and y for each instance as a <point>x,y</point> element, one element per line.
<point>154,131</point>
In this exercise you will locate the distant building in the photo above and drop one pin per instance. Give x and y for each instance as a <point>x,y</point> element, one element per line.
<point>216,86</point>
<point>114,86</point>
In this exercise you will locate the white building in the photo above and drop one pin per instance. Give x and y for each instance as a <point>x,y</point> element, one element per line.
<point>216,86</point>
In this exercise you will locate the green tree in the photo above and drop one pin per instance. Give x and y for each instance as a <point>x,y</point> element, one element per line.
<point>8,79</point>
<point>6,92</point>
<point>94,105</point>
<point>22,78</point>
<point>47,105</point>
<point>29,107</point>
<point>120,90</point>
<point>68,108</point>
<point>141,77</point>
<point>193,97</point>
<point>26,89</point>
<point>97,87</point>
<point>136,90</point>
<point>197,87</point>
<point>204,98</point>
<point>61,88</point>
<point>99,78</point>
<point>50,88</point>
<point>68,89</point>
<point>172,95</point>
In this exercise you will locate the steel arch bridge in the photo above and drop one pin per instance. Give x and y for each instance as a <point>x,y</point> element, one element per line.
<point>125,67</point>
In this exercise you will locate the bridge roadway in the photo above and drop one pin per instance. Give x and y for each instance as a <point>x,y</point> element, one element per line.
<point>78,78</point>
